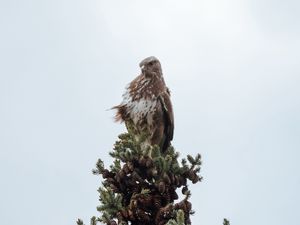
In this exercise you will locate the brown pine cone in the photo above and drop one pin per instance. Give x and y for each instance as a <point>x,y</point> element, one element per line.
<point>166,178</point>
<point>142,161</point>
<point>142,216</point>
<point>126,169</point>
<point>174,195</point>
<point>157,201</point>
<point>184,190</point>
<point>161,187</point>
<point>106,174</point>
<point>112,222</point>
<point>149,162</point>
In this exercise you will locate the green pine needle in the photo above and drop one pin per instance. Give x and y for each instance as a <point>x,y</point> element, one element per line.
<point>226,222</point>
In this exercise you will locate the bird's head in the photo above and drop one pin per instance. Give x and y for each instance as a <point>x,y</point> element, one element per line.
<point>151,67</point>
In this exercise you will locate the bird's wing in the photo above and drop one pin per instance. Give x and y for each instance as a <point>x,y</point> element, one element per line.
<point>165,101</point>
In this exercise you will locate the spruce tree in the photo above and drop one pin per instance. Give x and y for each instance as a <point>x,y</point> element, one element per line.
<point>140,187</point>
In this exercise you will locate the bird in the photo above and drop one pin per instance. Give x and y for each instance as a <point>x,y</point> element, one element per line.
<point>146,107</point>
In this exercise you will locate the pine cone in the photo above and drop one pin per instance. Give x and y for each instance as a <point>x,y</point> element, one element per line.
<point>112,222</point>
<point>142,161</point>
<point>161,187</point>
<point>184,190</point>
<point>157,201</point>
<point>126,169</point>
<point>149,162</point>
<point>142,216</point>
<point>107,174</point>
<point>166,178</point>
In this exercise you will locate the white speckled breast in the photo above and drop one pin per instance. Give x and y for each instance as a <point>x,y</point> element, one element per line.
<point>142,110</point>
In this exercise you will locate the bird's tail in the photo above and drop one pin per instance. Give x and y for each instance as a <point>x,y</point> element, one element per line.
<point>120,114</point>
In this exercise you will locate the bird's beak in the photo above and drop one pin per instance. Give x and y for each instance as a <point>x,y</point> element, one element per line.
<point>143,68</point>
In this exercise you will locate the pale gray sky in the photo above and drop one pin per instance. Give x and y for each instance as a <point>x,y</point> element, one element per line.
<point>234,72</point>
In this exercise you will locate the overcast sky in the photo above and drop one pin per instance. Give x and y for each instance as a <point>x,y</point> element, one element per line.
<point>232,67</point>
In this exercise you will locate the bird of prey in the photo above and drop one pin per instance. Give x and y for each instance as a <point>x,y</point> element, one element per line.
<point>146,108</point>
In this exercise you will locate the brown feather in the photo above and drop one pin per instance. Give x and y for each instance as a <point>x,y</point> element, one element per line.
<point>120,114</point>
<point>168,119</point>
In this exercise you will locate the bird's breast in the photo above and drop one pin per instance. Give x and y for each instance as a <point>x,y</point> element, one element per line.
<point>141,111</point>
